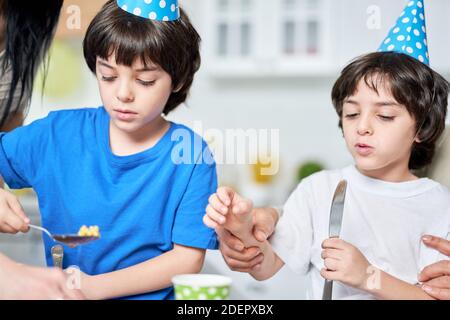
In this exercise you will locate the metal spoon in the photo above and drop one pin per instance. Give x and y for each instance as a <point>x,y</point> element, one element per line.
<point>72,240</point>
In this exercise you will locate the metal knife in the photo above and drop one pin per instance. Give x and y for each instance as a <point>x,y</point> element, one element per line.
<point>57,256</point>
<point>336,213</point>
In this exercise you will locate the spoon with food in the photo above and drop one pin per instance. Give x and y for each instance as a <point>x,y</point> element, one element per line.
<point>84,235</point>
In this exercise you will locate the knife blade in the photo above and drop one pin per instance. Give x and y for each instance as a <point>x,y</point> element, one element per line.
<point>336,214</point>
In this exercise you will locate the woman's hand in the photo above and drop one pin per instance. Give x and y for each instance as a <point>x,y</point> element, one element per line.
<point>236,256</point>
<point>12,217</point>
<point>435,278</point>
<point>19,281</point>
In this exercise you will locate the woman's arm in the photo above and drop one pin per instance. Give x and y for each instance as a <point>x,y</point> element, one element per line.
<point>18,281</point>
<point>151,275</point>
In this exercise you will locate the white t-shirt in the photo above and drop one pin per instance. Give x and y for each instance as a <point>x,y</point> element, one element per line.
<point>384,220</point>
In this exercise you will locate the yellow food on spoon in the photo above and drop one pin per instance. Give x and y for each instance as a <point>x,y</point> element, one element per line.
<point>92,231</point>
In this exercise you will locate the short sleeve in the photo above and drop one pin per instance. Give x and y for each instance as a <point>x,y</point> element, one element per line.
<point>293,236</point>
<point>189,229</point>
<point>21,152</point>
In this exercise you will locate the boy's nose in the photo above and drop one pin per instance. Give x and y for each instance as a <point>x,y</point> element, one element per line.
<point>364,127</point>
<point>124,94</point>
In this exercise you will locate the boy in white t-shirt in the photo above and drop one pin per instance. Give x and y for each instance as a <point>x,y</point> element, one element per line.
<point>392,110</point>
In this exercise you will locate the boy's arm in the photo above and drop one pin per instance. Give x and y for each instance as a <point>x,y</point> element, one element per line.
<point>151,275</point>
<point>270,265</point>
<point>345,263</point>
<point>228,210</point>
<point>242,227</point>
<point>392,288</point>
<point>250,226</point>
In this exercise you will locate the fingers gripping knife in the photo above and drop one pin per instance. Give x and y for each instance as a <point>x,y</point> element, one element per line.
<point>336,213</point>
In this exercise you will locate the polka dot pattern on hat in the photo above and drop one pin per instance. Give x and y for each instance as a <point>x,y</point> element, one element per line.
<point>160,10</point>
<point>408,35</point>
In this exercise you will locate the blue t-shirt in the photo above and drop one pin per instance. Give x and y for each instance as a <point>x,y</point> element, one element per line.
<point>143,203</point>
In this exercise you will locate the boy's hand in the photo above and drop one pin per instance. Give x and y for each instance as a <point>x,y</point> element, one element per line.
<point>12,217</point>
<point>228,209</point>
<point>345,263</point>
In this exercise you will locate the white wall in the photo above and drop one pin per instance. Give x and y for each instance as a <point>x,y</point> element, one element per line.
<point>299,106</point>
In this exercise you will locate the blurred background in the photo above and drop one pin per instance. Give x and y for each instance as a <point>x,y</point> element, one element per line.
<point>267,67</point>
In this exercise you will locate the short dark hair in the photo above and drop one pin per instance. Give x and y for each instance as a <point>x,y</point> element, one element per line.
<point>413,84</point>
<point>172,45</point>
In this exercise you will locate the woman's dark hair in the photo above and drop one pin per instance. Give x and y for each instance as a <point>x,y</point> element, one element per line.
<point>172,45</point>
<point>421,90</point>
<point>30,28</point>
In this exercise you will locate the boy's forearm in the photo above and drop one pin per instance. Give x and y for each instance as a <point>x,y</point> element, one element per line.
<point>270,265</point>
<point>246,235</point>
<point>390,288</point>
<point>151,275</point>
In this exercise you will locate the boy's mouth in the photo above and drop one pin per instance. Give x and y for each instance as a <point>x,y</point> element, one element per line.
<point>124,114</point>
<point>363,149</point>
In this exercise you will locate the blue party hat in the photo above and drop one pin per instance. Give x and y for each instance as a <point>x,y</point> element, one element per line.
<point>160,10</point>
<point>408,35</point>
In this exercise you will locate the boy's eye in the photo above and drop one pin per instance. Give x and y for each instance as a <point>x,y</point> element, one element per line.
<point>386,118</point>
<point>351,115</point>
<point>146,83</point>
<point>108,79</point>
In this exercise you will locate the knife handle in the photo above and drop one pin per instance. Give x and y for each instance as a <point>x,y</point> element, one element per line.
<point>57,256</point>
<point>327,290</point>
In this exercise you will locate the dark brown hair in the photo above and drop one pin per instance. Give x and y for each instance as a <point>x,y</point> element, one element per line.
<point>172,45</point>
<point>421,90</point>
<point>30,27</point>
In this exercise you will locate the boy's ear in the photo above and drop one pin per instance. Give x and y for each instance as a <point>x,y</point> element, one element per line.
<point>417,139</point>
<point>175,90</point>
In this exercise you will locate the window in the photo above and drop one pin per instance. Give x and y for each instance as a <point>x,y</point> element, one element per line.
<point>301,21</point>
<point>258,37</point>
<point>234,28</point>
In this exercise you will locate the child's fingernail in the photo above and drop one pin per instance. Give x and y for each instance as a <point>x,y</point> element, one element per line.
<point>427,288</point>
<point>262,235</point>
<point>27,220</point>
<point>239,247</point>
<point>426,238</point>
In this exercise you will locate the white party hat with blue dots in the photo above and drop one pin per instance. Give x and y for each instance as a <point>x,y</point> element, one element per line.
<point>160,10</point>
<point>408,35</point>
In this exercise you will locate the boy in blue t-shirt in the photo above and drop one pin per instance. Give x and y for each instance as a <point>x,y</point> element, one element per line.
<point>143,180</point>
